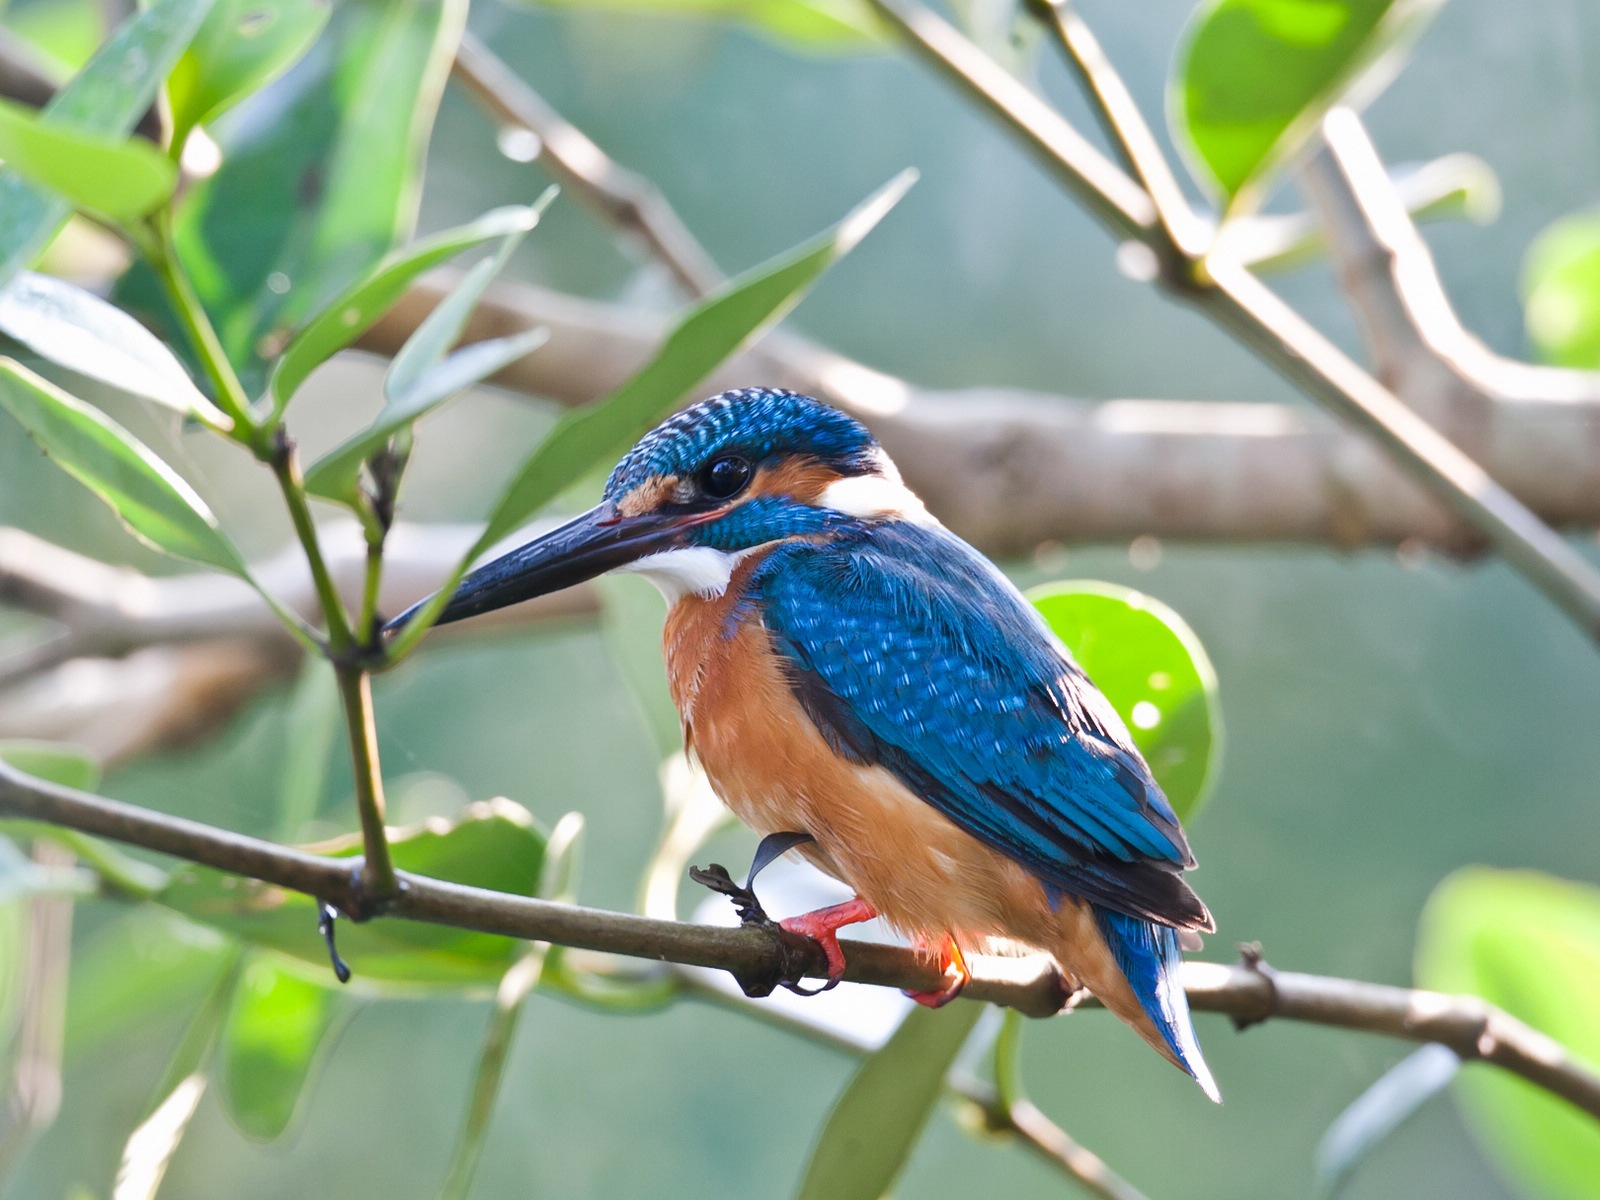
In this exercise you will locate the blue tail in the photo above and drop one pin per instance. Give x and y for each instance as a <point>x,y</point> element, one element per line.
<point>1148,955</point>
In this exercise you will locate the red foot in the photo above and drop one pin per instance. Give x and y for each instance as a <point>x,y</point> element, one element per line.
<point>822,926</point>
<point>949,958</point>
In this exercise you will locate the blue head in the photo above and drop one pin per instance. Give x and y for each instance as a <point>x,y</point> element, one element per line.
<point>742,469</point>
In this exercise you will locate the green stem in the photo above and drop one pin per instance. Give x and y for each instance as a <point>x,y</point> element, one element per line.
<point>230,394</point>
<point>378,882</point>
<point>286,466</point>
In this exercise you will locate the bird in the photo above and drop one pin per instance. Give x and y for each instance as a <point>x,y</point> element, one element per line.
<point>863,686</point>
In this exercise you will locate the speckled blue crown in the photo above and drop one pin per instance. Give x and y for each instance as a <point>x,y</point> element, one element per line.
<point>758,423</point>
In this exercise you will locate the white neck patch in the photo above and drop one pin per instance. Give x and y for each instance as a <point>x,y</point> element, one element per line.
<point>880,495</point>
<point>692,570</point>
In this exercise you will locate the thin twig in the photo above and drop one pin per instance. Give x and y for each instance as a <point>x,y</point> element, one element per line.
<point>622,197</point>
<point>1048,1141</point>
<point>1250,994</point>
<point>1240,303</point>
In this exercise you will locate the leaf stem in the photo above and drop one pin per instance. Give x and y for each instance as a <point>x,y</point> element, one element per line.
<point>286,467</point>
<point>378,882</point>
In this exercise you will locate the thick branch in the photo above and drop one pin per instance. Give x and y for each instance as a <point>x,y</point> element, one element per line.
<point>1250,994</point>
<point>1009,470</point>
<point>1221,288</point>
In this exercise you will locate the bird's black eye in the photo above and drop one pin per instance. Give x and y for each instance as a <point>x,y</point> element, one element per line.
<point>725,477</point>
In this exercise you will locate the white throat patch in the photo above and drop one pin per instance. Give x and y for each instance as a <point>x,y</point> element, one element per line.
<point>692,570</point>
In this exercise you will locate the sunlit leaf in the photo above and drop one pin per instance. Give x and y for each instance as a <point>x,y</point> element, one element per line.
<point>106,98</point>
<point>54,762</point>
<point>1529,943</point>
<point>1254,77</point>
<point>242,45</point>
<point>320,177</point>
<point>1152,668</point>
<point>493,845</point>
<point>77,330</point>
<point>1561,291</point>
<point>1392,1100</point>
<point>712,331</point>
<point>876,1122</point>
<point>335,475</point>
<point>352,313</point>
<point>123,178</point>
<point>832,25</point>
<point>278,1025</point>
<point>152,499</point>
<point>716,327</point>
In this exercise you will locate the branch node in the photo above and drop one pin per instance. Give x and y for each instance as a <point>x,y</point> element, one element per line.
<point>793,954</point>
<point>1254,960</point>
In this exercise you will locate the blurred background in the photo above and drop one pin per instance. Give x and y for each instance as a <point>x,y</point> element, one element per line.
<point>1389,718</point>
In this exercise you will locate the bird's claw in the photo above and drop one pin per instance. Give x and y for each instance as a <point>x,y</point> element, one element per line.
<point>950,959</point>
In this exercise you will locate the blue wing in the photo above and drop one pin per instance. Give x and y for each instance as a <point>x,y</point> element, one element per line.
<point>911,651</point>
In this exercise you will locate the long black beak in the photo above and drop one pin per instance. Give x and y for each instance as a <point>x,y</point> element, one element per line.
<point>586,546</point>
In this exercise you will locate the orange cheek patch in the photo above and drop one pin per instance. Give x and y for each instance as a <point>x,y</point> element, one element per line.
<point>799,479</point>
<point>648,496</point>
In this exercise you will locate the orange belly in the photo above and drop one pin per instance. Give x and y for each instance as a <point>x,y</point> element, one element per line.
<point>924,874</point>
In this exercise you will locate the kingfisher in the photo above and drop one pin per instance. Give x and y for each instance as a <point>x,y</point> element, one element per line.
<point>860,684</point>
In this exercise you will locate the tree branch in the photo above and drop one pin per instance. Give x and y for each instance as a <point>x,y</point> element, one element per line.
<point>1221,288</point>
<point>1249,993</point>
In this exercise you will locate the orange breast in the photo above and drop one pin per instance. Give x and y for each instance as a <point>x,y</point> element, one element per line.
<point>772,767</point>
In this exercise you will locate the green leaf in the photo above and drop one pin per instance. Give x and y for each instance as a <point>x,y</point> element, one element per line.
<point>876,1122</point>
<point>713,329</point>
<point>493,845</point>
<point>1254,78</point>
<point>1155,672</point>
<point>353,312</point>
<point>77,330</point>
<point>830,25</point>
<point>278,1024</point>
<point>123,178</point>
<point>1529,943</point>
<point>54,762</point>
<point>106,98</point>
<point>153,500</point>
<point>242,46</point>
<point>1561,292</point>
<point>320,176</point>
<point>139,969</point>
<point>1392,1100</point>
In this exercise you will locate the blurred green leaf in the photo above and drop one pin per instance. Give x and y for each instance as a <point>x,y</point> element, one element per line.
<point>1529,943</point>
<point>54,762</point>
<point>353,312</point>
<point>1392,1100</point>
<point>106,98</point>
<point>493,845</point>
<point>1254,77</point>
<point>714,329</point>
<point>1155,672</point>
<point>64,33</point>
<point>1561,292</point>
<point>312,725</point>
<point>320,177</point>
<point>831,25</point>
<point>143,967</point>
<point>77,330</point>
<point>241,47</point>
<point>123,178</point>
<point>278,1024</point>
<point>875,1124</point>
<point>156,503</point>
